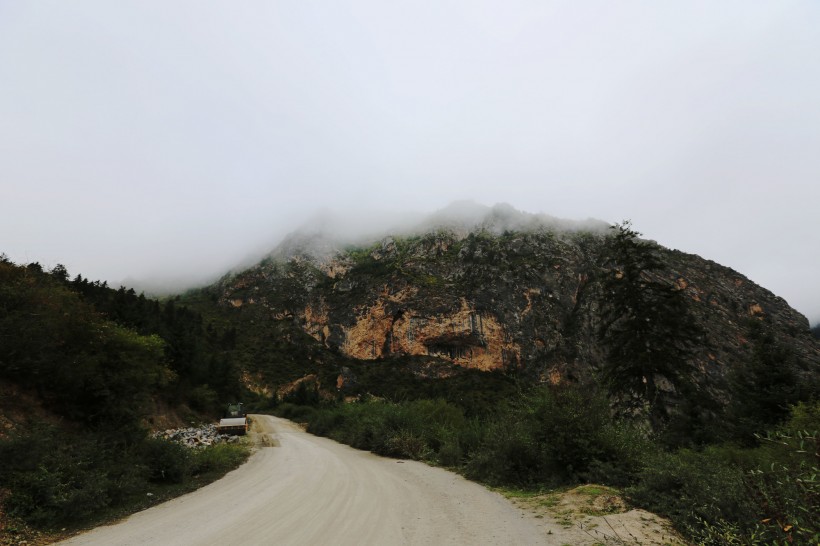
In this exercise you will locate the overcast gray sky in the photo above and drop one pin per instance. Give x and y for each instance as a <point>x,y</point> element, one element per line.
<point>171,139</point>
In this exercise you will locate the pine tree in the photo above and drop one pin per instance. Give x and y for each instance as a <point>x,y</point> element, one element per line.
<point>647,328</point>
<point>767,385</point>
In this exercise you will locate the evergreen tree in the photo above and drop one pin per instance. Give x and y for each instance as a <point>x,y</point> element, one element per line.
<point>60,273</point>
<point>765,387</point>
<point>646,328</point>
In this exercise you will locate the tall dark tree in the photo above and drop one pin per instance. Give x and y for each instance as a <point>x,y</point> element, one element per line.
<point>60,273</point>
<point>765,386</point>
<point>647,328</point>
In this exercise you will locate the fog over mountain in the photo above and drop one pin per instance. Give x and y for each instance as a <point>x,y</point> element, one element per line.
<point>163,143</point>
<point>327,231</point>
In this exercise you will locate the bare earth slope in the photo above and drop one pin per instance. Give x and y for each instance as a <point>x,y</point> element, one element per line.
<point>310,490</point>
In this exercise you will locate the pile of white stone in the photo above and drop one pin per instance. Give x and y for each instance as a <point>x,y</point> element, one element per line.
<point>196,437</point>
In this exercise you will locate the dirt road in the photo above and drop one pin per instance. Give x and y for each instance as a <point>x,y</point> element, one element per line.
<point>305,490</point>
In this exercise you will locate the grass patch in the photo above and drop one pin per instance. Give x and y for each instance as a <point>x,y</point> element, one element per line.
<point>595,490</point>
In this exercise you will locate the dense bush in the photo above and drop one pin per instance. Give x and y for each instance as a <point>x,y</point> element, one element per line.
<point>217,459</point>
<point>550,436</point>
<point>167,461</point>
<point>299,414</point>
<point>558,435</point>
<point>506,454</point>
<point>693,485</point>
<point>421,429</point>
<point>731,495</point>
<point>56,478</point>
<point>719,494</point>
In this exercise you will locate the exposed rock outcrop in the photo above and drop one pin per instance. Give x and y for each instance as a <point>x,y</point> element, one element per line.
<point>485,297</point>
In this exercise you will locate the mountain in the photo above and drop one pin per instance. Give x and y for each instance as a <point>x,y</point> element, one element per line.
<point>473,321</point>
<point>495,289</point>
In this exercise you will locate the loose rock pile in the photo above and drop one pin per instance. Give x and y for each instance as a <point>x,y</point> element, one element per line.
<point>196,437</point>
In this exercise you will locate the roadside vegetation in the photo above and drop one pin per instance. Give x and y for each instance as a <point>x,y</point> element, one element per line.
<point>58,480</point>
<point>763,490</point>
<point>82,367</point>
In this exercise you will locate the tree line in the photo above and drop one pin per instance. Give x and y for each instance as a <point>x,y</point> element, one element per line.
<point>97,360</point>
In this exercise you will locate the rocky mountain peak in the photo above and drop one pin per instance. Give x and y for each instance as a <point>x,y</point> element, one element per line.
<point>317,247</point>
<point>328,235</point>
<point>493,288</point>
<point>464,217</point>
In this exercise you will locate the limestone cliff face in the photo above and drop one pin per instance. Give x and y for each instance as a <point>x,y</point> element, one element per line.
<point>526,300</point>
<point>394,325</point>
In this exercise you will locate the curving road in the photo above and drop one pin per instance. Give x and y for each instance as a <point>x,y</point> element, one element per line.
<point>306,490</point>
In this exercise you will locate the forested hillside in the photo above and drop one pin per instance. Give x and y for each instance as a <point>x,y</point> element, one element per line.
<point>83,369</point>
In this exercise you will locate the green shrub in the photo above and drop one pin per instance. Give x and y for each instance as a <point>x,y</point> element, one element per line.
<point>558,435</point>
<point>57,478</point>
<point>624,448</point>
<point>507,454</point>
<point>470,436</point>
<point>450,452</point>
<point>168,462</point>
<point>405,444</point>
<point>294,412</point>
<point>549,436</point>
<point>326,421</point>
<point>415,430</point>
<point>785,483</point>
<point>218,458</point>
<point>731,495</point>
<point>689,486</point>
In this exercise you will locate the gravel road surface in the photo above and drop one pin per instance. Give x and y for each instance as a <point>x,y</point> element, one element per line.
<point>304,490</point>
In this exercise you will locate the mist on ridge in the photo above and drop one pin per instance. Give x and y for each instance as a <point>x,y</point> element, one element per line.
<point>328,231</point>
